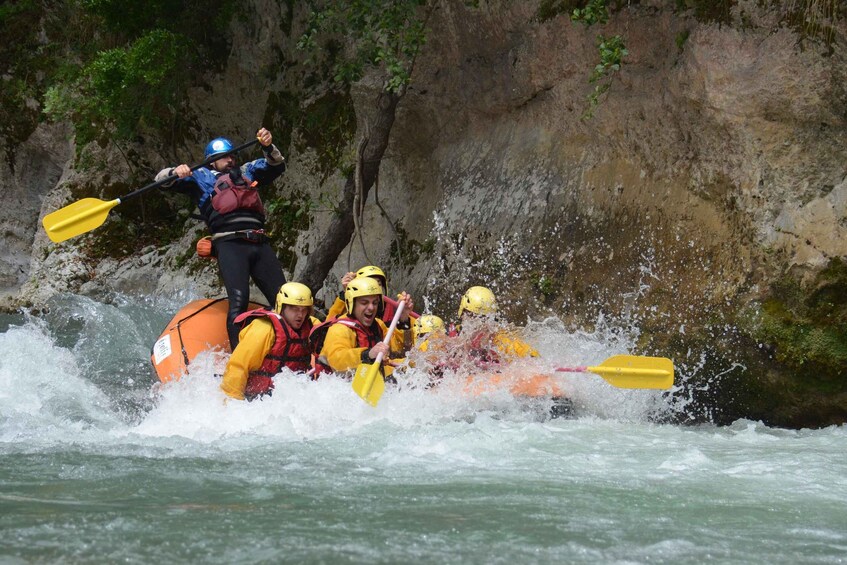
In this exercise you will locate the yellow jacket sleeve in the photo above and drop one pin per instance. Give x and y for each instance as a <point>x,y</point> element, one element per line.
<point>340,348</point>
<point>254,343</point>
<point>512,346</point>
<point>337,309</point>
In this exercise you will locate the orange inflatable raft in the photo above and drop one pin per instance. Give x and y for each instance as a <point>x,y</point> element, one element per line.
<point>518,384</point>
<point>199,326</point>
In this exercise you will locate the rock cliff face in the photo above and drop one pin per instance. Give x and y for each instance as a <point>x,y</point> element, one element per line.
<point>39,164</point>
<point>704,206</point>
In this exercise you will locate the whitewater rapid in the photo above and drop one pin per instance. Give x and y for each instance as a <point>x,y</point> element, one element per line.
<point>101,463</point>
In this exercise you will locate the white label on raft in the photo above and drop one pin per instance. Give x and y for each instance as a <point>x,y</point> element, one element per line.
<point>162,349</point>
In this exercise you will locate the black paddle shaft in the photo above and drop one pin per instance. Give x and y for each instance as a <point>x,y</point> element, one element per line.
<point>171,178</point>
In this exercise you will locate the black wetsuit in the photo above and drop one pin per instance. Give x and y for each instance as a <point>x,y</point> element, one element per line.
<point>241,255</point>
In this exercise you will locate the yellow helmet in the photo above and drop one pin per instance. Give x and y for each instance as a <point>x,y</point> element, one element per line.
<point>361,286</point>
<point>293,294</point>
<point>373,272</point>
<point>479,300</point>
<point>428,323</point>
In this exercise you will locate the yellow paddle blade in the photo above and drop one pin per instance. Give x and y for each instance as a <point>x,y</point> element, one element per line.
<point>368,383</point>
<point>77,218</point>
<point>633,371</point>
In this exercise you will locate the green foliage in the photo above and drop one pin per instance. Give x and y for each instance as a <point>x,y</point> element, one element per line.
<point>588,12</point>
<point>385,34</point>
<point>612,51</point>
<point>594,12</point>
<point>132,19</point>
<point>292,208</point>
<point>22,68</point>
<point>123,88</point>
<point>119,67</point>
<point>326,125</point>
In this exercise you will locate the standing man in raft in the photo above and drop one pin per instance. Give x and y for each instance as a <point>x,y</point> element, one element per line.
<point>228,199</point>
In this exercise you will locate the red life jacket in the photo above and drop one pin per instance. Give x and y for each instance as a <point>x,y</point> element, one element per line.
<point>317,337</point>
<point>290,349</point>
<point>233,199</point>
<point>234,192</point>
<point>483,351</point>
<point>481,347</point>
<point>388,310</point>
<point>365,337</point>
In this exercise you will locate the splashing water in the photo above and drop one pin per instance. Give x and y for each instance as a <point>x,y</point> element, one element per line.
<point>96,465</point>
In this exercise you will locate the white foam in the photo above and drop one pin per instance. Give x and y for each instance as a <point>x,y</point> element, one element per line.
<point>42,388</point>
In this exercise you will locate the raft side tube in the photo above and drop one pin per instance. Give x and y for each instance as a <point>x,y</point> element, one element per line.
<point>198,326</point>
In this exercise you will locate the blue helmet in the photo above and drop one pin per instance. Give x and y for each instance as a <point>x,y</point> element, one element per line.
<point>218,145</point>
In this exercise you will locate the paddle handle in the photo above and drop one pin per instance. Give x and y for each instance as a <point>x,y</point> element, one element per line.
<point>171,178</point>
<point>390,332</point>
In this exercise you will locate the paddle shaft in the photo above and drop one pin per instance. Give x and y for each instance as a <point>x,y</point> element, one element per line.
<point>614,371</point>
<point>388,334</point>
<point>171,178</point>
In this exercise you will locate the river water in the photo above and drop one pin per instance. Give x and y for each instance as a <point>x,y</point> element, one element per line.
<point>98,465</point>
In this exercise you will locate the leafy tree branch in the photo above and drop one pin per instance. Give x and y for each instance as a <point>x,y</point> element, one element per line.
<point>612,51</point>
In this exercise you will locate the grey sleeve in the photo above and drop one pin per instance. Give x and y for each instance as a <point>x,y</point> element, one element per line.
<point>165,173</point>
<point>274,157</point>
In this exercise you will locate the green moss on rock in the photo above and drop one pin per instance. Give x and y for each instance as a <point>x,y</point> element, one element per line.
<point>287,216</point>
<point>327,125</point>
<point>806,324</point>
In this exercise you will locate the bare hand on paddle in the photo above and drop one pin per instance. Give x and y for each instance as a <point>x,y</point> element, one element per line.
<point>264,137</point>
<point>379,348</point>
<point>406,298</point>
<point>182,171</point>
